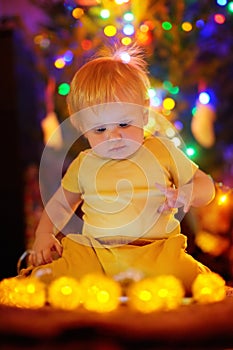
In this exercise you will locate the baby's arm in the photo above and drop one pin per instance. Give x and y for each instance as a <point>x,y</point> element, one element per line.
<point>197,192</point>
<point>202,190</point>
<point>57,213</point>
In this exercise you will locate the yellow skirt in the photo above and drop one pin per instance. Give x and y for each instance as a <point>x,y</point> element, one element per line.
<point>83,254</point>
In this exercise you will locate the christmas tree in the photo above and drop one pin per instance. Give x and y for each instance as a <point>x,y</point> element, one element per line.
<point>188,45</point>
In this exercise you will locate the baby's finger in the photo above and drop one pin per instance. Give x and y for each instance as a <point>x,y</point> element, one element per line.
<point>46,255</point>
<point>31,258</point>
<point>38,259</point>
<point>164,208</point>
<point>169,192</point>
<point>162,188</point>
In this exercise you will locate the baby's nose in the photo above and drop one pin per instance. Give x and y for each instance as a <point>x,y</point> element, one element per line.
<point>114,133</point>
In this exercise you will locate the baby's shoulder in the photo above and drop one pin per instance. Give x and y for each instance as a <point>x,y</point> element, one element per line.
<point>157,143</point>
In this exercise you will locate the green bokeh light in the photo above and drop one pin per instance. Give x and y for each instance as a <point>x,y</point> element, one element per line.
<point>63,89</point>
<point>167,25</point>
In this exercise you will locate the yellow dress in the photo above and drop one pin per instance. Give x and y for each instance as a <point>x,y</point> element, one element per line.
<point>123,228</point>
<point>163,256</point>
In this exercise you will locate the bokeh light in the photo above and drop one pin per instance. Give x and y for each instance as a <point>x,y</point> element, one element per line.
<point>126,41</point>
<point>104,13</point>
<point>22,292</point>
<point>209,287</point>
<point>64,293</point>
<point>204,98</point>
<point>230,6</point>
<point>169,103</point>
<point>77,12</point>
<point>166,25</point>
<point>186,26</point>
<point>128,16</point>
<point>68,56</point>
<point>110,30</point>
<point>190,151</point>
<point>128,29</point>
<point>219,18</point>
<point>125,57</point>
<point>59,63</point>
<point>164,292</point>
<point>100,293</point>
<point>63,89</point>
<point>221,2</point>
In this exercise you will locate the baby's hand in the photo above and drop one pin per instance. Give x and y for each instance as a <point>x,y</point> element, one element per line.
<point>42,249</point>
<point>175,198</point>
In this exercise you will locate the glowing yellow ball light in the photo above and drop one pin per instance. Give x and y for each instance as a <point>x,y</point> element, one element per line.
<point>187,26</point>
<point>223,199</point>
<point>169,103</point>
<point>159,293</point>
<point>126,41</point>
<point>59,63</point>
<point>65,293</point>
<point>144,28</point>
<point>207,241</point>
<point>23,292</point>
<point>100,293</point>
<point>110,30</point>
<point>32,292</point>
<point>7,291</point>
<point>77,12</point>
<point>209,287</point>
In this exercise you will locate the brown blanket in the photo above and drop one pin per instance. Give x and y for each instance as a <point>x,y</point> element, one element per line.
<point>189,327</point>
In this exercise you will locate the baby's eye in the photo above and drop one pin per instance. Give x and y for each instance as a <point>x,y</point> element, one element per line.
<point>123,125</point>
<point>100,130</point>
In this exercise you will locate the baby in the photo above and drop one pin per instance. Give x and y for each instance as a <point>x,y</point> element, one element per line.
<point>130,186</point>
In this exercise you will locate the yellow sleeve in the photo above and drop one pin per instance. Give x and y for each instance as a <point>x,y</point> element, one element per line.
<point>182,169</point>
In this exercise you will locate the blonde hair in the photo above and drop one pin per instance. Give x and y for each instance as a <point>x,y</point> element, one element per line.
<point>116,75</point>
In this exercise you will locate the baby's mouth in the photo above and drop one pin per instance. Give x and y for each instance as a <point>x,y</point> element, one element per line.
<point>117,148</point>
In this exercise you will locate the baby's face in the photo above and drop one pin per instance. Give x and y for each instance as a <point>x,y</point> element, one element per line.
<point>114,130</point>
